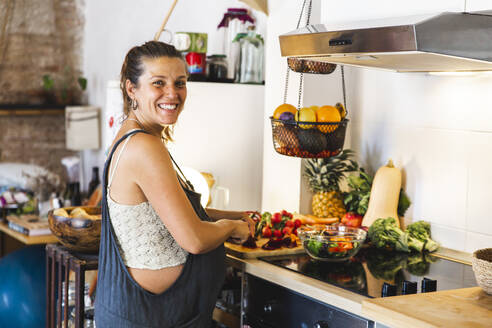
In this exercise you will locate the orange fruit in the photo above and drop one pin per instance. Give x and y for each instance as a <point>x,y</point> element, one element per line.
<point>328,114</point>
<point>284,108</point>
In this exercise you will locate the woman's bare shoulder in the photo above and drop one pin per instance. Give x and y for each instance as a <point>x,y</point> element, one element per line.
<point>147,149</point>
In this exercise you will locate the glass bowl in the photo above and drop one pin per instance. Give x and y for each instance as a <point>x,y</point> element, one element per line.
<point>332,243</point>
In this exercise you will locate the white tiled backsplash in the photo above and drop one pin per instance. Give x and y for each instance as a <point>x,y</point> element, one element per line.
<point>438,129</point>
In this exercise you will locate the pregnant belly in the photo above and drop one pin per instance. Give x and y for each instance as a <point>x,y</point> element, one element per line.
<point>156,281</point>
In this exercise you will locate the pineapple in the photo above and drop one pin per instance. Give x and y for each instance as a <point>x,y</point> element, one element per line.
<point>324,176</point>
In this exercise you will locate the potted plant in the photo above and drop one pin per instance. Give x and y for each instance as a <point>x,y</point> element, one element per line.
<point>65,91</point>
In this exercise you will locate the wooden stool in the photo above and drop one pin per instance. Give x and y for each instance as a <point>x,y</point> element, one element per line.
<point>59,262</point>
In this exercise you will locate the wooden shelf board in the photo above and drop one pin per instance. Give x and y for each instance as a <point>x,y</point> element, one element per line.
<point>31,112</point>
<point>28,240</point>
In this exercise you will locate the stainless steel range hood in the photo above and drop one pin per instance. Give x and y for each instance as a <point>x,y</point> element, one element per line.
<point>432,43</point>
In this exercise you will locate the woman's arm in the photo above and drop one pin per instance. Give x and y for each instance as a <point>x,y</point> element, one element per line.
<point>154,174</point>
<point>246,216</point>
<point>215,214</point>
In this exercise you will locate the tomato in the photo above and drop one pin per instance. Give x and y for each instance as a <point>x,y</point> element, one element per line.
<point>287,230</point>
<point>289,224</point>
<point>297,223</point>
<point>266,232</point>
<point>276,218</point>
<point>277,233</point>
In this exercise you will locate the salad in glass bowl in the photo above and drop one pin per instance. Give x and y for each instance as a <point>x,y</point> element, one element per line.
<point>331,242</point>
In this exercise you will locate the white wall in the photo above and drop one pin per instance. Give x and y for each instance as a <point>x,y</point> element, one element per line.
<point>438,129</point>
<point>112,27</point>
<point>220,131</point>
<point>281,174</point>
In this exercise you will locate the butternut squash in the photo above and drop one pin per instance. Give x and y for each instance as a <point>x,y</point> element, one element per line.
<point>385,192</point>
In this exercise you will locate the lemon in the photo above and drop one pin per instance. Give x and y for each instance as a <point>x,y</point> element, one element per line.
<point>306,114</point>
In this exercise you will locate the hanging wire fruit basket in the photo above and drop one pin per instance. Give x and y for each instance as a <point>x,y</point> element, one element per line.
<point>298,138</point>
<point>308,139</point>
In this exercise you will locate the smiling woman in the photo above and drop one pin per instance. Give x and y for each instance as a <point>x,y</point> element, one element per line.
<point>161,258</point>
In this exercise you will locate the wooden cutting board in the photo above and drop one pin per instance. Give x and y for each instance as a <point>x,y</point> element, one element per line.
<point>249,253</point>
<point>467,307</point>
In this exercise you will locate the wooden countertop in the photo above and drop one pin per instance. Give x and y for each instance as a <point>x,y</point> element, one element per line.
<point>467,307</point>
<point>28,240</point>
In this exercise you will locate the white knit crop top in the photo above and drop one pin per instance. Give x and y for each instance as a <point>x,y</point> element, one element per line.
<point>142,238</point>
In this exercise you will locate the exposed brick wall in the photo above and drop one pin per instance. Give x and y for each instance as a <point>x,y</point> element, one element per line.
<point>41,37</point>
<point>37,139</point>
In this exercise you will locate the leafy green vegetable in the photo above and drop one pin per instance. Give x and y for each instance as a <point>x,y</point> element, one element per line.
<point>315,246</point>
<point>357,199</point>
<point>421,230</point>
<point>384,233</point>
<point>403,203</point>
<point>266,219</point>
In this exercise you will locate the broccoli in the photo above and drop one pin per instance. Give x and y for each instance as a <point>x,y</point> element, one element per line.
<point>421,230</point>
<point>384,233</point>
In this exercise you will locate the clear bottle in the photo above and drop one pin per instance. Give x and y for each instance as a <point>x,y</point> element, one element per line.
<point>235,20</point>
<point>94,183</point>
<point>249,68</point>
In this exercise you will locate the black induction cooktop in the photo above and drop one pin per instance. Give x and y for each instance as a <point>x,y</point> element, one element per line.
<point>375,273</point>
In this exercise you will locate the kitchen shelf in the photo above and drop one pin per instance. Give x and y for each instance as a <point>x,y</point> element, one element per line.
<point>31,110</point>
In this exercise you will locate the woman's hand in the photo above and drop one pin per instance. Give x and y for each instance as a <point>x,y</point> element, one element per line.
<point>251,223</point>
<point>241,231</point>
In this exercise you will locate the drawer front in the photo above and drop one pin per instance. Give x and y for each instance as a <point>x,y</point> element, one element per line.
<point>267,305</point>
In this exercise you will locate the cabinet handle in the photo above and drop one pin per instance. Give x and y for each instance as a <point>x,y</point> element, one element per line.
<point>267,308</point>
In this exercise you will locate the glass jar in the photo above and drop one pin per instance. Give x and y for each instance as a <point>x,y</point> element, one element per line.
<point>217,68</point>
<point>235,20</point>
<point>250,64</point>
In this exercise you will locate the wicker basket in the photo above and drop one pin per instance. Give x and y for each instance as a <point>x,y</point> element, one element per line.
<point>308,139</point>
<point>482,267</point>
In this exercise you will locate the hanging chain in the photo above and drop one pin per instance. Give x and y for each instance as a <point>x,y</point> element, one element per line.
<point>286,84</point>
<point>343,87</point>
<point>288,69</point>
<point>309,12</point>
<point>301,80</point>
<point>300,16</point>
<point>301,77</point>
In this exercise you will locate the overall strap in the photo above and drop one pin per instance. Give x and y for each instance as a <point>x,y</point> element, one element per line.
<point>182,179</point>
